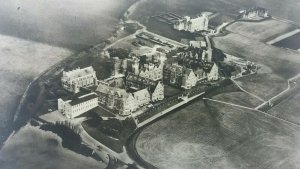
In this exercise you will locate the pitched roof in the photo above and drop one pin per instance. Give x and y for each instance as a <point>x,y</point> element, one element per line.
<point>103,88</point>
<point>83,99</point>
<point>79,72</point>
<point>142,92</point>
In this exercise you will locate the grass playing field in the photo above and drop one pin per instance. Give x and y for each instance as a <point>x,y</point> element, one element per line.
<point>213,135</point>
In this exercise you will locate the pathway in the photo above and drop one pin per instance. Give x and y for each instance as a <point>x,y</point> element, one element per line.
<point>235,82</point>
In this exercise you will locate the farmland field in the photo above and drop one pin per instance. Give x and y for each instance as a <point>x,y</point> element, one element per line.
<point>281,64</point>
<point>232,94</point>
<point>291,42</point>
<point>289,109</point>
<point>212,135</point>
<point>34,148</point>
<point>262,31</point>
<point>239,98</point>
<point>263,85</point>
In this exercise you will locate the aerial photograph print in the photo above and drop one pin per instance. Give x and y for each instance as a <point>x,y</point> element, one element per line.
<point>150,84</point>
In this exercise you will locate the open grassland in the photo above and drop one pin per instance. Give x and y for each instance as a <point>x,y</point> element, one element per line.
<point>239,98</point>
<point>212,135</point>
<point>33,148</point>
<point>263,85</point>
<point>278,65</point>
<point>233,94</point>
<point>289,109</point>
<point>20,62</point>
<point>263,30</point>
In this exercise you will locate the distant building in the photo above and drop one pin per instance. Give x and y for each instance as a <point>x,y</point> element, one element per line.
<point>252,13</point>
<point>197,24</point>
<point>78,104</point>
<point>74,79</point>
<point>198,44</point>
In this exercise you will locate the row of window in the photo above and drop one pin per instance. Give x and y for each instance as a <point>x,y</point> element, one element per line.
<point>79,109</point>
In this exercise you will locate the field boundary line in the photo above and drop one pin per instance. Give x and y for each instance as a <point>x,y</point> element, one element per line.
<point>257,97</point>
<point>282,92</point>
<point>231,104</point>
<point>267,114</point>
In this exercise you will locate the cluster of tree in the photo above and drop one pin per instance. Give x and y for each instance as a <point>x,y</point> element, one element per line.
<point>131,27</point>
<point>218,55</point>
<point>114,127</point>
<point>68,133</point>
<point>119,52</point>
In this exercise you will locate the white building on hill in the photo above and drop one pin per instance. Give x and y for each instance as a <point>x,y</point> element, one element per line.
<point>74,79</point>
<point>199,23</point>
<point>77,105</point>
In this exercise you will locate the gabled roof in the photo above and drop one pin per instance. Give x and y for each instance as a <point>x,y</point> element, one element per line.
<point>103,88</point>
<point>188,72</point>
<point>80,98</point>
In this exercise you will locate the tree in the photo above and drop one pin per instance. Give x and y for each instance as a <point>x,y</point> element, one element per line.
<point>119,52</point>
<point>218,55</point>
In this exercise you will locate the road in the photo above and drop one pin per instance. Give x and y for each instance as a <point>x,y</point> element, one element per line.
<point>290,86</point>
<point>132,36</point>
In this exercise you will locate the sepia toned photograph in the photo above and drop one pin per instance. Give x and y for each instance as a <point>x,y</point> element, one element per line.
<point>150,84</point>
